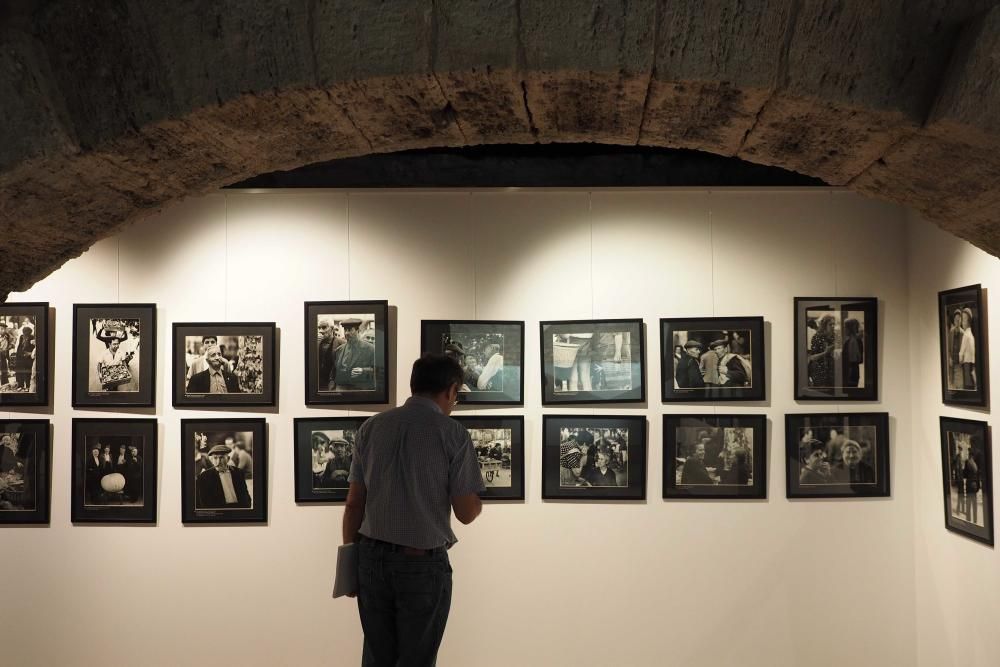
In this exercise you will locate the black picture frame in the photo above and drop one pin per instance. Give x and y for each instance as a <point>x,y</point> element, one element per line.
<point>203,501</point>
<point>722,437</point>
<point>558,453</point>
<point>562,361</point>
<point>503,471</point>
<point>24,359</point>
<point>964,383</point>
<point>830,363</point>
<point>473,338</point>
<point>96,328</point>
<point>969,440</point>
<point>743,359</point>
<point>26,474</point>
<point>334,312</point>
<point>122,486</point>
<point>827,435</point>
<point>254,365</point>
<point>321,477</point>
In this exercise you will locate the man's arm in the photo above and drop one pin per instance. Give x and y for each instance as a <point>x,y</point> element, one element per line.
<point>467,507</point>
<point>354,511</point>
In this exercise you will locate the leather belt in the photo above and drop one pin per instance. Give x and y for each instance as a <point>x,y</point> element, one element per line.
<point>399,548</point>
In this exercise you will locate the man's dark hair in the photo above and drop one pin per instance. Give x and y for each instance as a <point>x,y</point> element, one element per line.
<point>434,373</point>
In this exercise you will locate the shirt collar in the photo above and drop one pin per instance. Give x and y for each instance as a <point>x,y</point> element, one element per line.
<point>424,402</point>
<point>215,372</point>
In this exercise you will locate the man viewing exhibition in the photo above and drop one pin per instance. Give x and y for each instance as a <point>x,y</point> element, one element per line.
<point>412,466</point>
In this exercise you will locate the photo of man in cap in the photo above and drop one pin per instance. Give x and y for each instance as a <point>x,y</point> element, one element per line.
<point>688,369</point>
<point>710,362</point>
<point>221,486</point>
<point>354,361</point>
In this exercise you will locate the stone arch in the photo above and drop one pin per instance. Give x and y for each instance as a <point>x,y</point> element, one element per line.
<point>114,110</point>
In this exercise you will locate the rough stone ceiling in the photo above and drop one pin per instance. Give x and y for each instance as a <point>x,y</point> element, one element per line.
<point>113,110</point>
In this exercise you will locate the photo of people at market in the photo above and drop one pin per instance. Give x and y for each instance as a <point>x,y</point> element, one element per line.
<point>223,364</point>
<point>492,446</point>
<point>966,474</point>
<point>332,452</point>
<point>714,456</point>
<point>959,334</point>
<point>593,457</point>
<point>837,455</point>
<point>113,354</point>
<point>113,470</point>
<point>481,358</point>
<point>17,488</point>
<point>223,469</point>
<point>17,354</point>
<point>592,361</point>
<point>835,348</point>
<point>713,358</point>
<point>345,352</point>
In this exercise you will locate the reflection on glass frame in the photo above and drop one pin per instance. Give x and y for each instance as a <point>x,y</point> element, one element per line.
<point>712,359</point>
<point>491,353</point>
<point>324,449</point>
<point>837,455</point>
<point>967,467</point>
<point>836,348</point>
<point>25,468</point>
<point>221,364</point>
<point>347,352</point>
<point>593,361</point>
<point>499,443</point>
<point>114,470</point>
<point>114,355</point>
<point>24,354</point>
<point>964,363</point>
<point>224,470</point>
<point>596,458</point>
<point>714,456</point>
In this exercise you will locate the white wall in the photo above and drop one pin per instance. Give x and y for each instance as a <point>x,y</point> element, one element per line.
<point>957,579</point>
<point>771,583</point>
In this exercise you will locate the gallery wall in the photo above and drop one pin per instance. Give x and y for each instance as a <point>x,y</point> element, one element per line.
<point>772,583</point>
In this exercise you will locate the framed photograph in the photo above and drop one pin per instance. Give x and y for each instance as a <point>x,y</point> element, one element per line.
<point>347,352</point>
<point>114,355</point>
<point>966,462</point>
<point>324,448</point>
<point>224,470</point>
<point>598,458</point>
<point>837,455</point>
<point>712,359</point>
<point>24,354</point>
<point>964,368</point>
<point>224,364</point>
<point>490,351</point>
<point>836,349</point>
<point>593,361</point>
<point>714,456</point>
<point>114,470</point>
<point>25,471</point>
<point>499,443</point>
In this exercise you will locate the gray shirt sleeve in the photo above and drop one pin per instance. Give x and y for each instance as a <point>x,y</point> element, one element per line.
<point>464,476</point>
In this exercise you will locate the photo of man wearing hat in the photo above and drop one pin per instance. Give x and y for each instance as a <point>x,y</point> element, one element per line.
<point>221,486</point>
<point>710,362</point>
<point>688,369</point>
<point>354,361</point>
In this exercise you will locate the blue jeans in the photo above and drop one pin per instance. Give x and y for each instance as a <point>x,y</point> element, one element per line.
<point>403,602</point>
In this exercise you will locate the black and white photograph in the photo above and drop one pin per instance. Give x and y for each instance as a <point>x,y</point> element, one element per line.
<point>114,470</point>
<point>836,348</point>
<point>25,470</point>
<point>714,456</point>
<point>966,461</point>
<point>712,359</point>
<point>499,444</point>
<point>964,365</point>
<point>24,365</point>
<point>114,355</point>
<point>346,351</point>
<point>592,361</point>
<point>491,352</point>
<point>837,455</point>
<point>224,470</point>
<point>600,457</point>
<point>324,449</point>
<point>223,364</point>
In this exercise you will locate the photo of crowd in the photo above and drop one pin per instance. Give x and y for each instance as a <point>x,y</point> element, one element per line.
<point>835,348</point>
<point>965,474</point>
<point>714,456</point>
<point>223,365</point>
<point>345,352</point>
<point>592,361</point>
<point>223,470</point>
<point>113,352</point>
<point>493,447</point>
<point>960,359</point>
<point>481,358</point>
<point>17,489</point>
<point>705,359</point>
<point>332,452</point>
<point>838,456</point>
<point>17,354</point>
<point>593,457</point>
<point>113,471</point>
